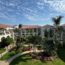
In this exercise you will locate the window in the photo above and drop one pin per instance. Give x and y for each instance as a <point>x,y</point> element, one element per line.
<point>35,30</point>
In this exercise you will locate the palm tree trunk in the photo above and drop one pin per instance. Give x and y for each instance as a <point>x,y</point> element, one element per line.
<point>62,39</point>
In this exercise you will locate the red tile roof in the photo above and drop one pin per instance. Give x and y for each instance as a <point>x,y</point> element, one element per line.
<point>47,26</point>
<point>4,26</point>
<point>30,26</point>
<point>35,26</point>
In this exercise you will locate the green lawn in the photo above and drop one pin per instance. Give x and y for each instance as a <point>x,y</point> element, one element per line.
<point>61,53</point>
<point>27,60</point>
<point>2,50</point>
<point>8,55</point>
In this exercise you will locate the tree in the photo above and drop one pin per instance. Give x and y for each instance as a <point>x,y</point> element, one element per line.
<point>18,38</point>
<point>6,41</point>
<point>50,33</point>
<point>57,20</point>
<point>57,29</point>
<point>2,43</point>
<point>19,32</point>
<point>34,40</point>
<point>49,47</point>
<point>20,25</point>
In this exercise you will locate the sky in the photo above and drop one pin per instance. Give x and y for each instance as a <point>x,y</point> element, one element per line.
<point>31,12</point>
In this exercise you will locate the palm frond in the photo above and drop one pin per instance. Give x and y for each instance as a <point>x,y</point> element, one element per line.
<point>57,20</point>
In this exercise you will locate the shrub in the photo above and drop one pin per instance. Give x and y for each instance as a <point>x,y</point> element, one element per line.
<point>5,41</point>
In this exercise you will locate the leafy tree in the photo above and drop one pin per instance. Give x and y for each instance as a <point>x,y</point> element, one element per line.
<point>49,47</point>
<point>34,39</point>
<point>6,41</point>
<point>2,43</point>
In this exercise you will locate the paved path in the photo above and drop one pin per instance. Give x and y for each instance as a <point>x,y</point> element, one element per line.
<point>3,53</point>
<point>7,62</point>
<point>17,55</point>
<point>4,63</point>
<point>7,49</point>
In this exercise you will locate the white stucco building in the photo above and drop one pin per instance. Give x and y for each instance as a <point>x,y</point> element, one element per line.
<point>27,30</point>
<point>6,30</point>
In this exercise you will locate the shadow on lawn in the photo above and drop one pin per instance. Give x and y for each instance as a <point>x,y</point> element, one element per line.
<point>22,58</point>
<point>61,53</point>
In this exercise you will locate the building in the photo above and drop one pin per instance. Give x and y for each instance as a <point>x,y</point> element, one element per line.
<point>6,30</point>
<point>27,30</point>
<point>45,27</point>
<point>34,30</point>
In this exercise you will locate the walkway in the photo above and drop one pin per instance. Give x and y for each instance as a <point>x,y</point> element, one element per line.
<point>7,62</point>
<point>4,63</point>
<point>17,55</point>
<point>7,49</point>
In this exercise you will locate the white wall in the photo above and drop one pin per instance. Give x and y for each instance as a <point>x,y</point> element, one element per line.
<point>11,34</point>
<point>42,32</point>
<point>4,36</point>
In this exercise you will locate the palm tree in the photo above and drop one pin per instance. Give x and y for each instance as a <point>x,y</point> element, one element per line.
<point>20,27</point>
<point>18,41</point>
<point>56,21</point>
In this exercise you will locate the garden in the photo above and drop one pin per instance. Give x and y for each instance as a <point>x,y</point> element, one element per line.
<point>30,60</point>
<point>53,49</point>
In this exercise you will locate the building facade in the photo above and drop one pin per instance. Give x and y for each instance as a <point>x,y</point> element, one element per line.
<point>6,30</point>
<point>32,30</point>
<point>28,30</point>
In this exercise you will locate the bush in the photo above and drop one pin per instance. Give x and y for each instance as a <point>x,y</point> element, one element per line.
<point>5,41</point>
<point>2,43</point>
<point>8,40</point>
